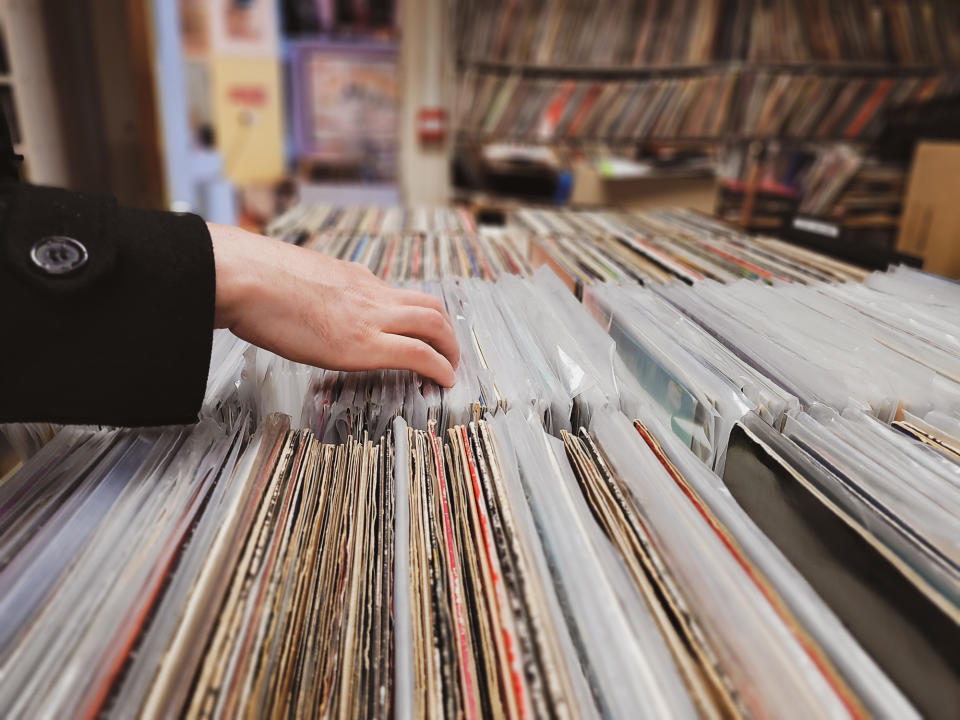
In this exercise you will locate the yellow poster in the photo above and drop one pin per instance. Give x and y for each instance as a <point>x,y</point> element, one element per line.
<point>248,117</point>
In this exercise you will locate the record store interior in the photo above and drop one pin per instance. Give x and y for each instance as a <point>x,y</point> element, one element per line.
<point>462,359</point>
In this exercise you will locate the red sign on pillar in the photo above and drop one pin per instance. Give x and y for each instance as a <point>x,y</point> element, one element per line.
<point>431,125</point>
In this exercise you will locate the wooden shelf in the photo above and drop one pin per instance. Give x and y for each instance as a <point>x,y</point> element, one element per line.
<point>467,135</point>
<point>346,39</point>
<point>628,71</point>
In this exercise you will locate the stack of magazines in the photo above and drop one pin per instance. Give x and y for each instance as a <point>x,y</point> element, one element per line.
<point>681,498</point>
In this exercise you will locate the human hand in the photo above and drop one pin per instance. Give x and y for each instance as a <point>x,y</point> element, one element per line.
<point>317,310</point>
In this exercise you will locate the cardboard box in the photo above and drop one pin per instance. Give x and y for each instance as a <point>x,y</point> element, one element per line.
<point>930,228</point>
<point>655,191</point>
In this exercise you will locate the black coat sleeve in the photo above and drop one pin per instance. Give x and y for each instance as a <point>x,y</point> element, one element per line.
<point>124,338</point>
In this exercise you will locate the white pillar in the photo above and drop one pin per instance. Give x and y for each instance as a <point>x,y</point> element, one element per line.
<point>426,75</point>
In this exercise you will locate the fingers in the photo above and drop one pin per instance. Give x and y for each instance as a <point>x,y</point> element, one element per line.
<point>427,324</point>
<point>407,353</point>
<point>415,297</point>
<point>417,333</point>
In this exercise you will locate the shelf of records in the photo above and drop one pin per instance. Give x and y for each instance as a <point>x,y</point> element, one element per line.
<point>716,105</point>
<point>687,497</point>
<point>837,182</point>
<point>631,34</point>
<point>608,72</point>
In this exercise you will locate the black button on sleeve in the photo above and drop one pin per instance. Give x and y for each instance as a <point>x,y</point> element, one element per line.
<point>122,337</point>
<point>37,216</point>
<point>59,254</point>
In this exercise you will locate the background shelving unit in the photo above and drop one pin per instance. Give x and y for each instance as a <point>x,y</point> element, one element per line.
<point>860,59</point>
<point>629,71</point>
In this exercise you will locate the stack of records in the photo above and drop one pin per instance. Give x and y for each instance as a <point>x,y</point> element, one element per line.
<point>836,182</point>
<point>658,247</point>
<point>874,197</point>
<point>583,248</point>
<point>705,500</point>
<point>716,104</point>
<point>659,32</point>
<point>359,219</point>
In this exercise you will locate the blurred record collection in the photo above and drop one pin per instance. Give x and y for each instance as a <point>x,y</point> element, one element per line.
<point>712,104</point>
<point>799,106</point>
<point>618,33</point>
<point>684,472</point>
<point>617,71</point>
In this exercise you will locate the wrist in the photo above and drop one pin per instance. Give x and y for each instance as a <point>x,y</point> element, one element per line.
<point>228,249</point>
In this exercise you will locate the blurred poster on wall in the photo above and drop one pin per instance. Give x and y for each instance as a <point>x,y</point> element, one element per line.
<point>248,118</point>
<point>345,104</point>
<point>244,27</point>
<point>245,87</point>
<point>195,28</point>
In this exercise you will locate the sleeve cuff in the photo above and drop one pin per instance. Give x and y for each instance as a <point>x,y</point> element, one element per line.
<point>123,338</point>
